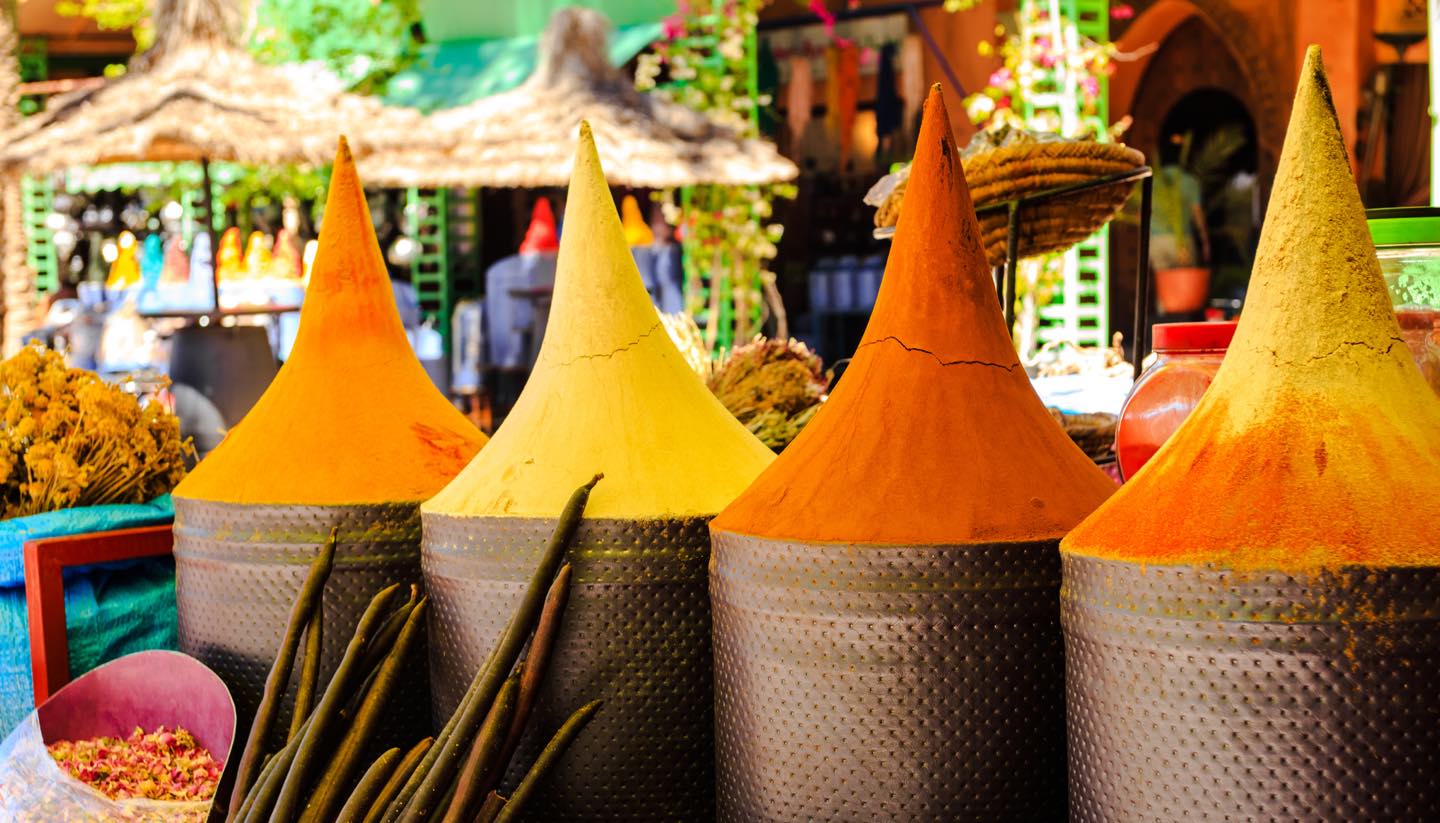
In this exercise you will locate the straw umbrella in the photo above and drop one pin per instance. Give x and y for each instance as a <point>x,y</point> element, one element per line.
<point>525,138</point>
<point>196,95</point>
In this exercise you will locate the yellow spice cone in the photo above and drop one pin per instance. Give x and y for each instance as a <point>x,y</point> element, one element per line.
<point>610,393</point>
<point>352,416</point>
<point>1319,442</point>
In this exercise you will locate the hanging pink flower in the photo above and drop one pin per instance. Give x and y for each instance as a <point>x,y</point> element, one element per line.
<point>673,27</point>
<point>827,19</point>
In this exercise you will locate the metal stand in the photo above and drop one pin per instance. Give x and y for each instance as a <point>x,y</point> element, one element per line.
<point>207,203</point>
<point>1005,275</point>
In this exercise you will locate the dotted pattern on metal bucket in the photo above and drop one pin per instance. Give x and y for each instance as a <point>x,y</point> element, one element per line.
<point>636,633</point>
<point>239,568</point>
<point>866,683</point>
<point>1205,694</point>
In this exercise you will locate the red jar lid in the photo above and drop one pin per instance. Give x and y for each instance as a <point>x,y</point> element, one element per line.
<point>1193,336</point>
<point>1417,319</point>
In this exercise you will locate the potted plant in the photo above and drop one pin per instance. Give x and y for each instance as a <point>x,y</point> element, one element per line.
<point>1182,280</point>
<point>1180,231</point>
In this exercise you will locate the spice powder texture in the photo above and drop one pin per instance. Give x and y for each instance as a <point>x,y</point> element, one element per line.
<point>1318,444</point>
<point>609,393</point>
<point>934,434</point>
<point>352,417</point>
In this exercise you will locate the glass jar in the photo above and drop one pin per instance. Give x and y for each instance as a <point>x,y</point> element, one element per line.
<point>1407,241</point>
<point>1187,355</point>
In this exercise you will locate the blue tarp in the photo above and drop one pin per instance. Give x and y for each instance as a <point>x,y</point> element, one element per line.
<point>110,610</point>
<point>456,72</point>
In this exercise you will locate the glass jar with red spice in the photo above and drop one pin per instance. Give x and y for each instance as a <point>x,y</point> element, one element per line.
<point>1407,241</point>
<point>1187,355</point>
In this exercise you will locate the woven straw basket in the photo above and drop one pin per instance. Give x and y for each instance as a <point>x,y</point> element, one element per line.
<point>1055,225</point>
<point>1009,172</point>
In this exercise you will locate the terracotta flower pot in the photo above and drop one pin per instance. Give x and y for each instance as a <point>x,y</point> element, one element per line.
<point>1182,289</point>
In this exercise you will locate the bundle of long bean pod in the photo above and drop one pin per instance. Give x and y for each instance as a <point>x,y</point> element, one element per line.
<point>318,773</point>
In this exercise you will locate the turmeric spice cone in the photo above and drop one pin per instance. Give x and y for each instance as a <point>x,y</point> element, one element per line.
<point>610,393</point>
<point>1251,622</point>
<point>351,433</point>
<point>887,637</point>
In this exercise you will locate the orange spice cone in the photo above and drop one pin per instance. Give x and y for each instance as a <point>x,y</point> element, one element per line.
<point>637,230</point>
<point>351,434</point>
<point>610,393</point>
<point>1254,613</point>
<point>885,594</point>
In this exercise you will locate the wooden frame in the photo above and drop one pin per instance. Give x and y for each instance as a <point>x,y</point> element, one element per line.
<point>45,562</point>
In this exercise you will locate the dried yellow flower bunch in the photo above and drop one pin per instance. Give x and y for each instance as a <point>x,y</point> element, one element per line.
<point>68,438</point>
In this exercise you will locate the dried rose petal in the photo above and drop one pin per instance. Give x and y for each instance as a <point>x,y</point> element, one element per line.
<point>159,765</point>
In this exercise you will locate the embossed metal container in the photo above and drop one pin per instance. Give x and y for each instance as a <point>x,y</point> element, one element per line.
<point>862,682</point>
<point>636,634</point>
<point>1204,694</point>
<point>239,568</point>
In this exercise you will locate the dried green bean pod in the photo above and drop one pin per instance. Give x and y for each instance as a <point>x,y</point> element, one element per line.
<point>309,671</point>
<point>494,802</point>
<point>264,792</point>
<point>336,696</point>
<point>552,752</point>
<point>369,787</point>
<point>385,636</point>
<point>485,750</point>
<point>532,672</point>
<point>327,791</point>
<point>279,677</point>
<point>487,682</point>
<point>266,769</point>
<point>396,780</point>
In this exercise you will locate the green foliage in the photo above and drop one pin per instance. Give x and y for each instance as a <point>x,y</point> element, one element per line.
<point>114,15</point>
<point>270,185</point>
<point>365,42</point>
<point>707,56</point>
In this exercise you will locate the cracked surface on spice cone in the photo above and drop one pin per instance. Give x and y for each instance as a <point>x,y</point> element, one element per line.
<point>1318,444</point>
<point>886,626</point>
<point>352,416</point>
<point>934,435</point>
<point>610,392</point>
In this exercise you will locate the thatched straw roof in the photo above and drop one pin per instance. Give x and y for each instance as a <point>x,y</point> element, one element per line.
<point>525,137</point>
<point>194,94</point>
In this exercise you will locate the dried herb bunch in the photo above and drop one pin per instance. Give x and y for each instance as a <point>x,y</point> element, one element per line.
<point>68,438</point>
<point>773,387</point>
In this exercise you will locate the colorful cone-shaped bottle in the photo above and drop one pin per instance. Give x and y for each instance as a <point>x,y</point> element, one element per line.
<point>1251,623</point>
<point>887,624</point>
<point>609,393</point>
<point>351,434</point>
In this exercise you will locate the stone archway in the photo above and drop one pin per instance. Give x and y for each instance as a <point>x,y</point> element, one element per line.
<point>1203,44</point>
<point>1266,69</point>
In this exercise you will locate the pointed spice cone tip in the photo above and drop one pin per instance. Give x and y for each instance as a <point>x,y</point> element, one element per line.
<point>351,417</point>
<point>935,435</point>
<point>609,391</point>
<point>1318,443</point>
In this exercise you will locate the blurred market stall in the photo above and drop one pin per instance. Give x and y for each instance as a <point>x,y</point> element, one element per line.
<point>196,96</point>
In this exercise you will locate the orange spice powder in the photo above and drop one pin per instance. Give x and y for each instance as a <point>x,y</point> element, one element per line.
<point>934,435</point>
<point>1318,444</point>
<point>351,417</point>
